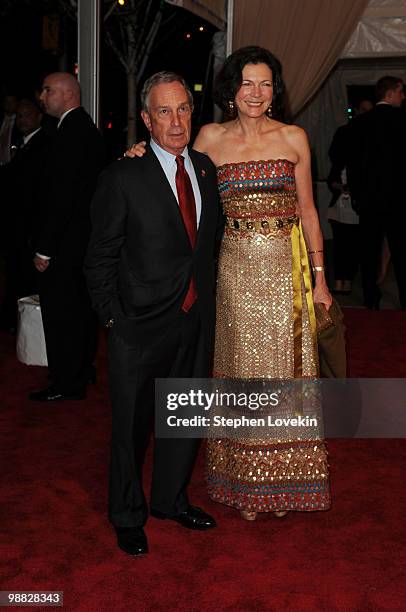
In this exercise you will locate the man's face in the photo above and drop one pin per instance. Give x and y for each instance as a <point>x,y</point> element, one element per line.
<point>28,118</point>
<point>169,116</point>
<point>53,97</point>
<point>396,96</point>
<point>10,105</point>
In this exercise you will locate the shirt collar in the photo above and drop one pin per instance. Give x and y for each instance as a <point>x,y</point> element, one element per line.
<point>167,159</point>
<point>29,136</point>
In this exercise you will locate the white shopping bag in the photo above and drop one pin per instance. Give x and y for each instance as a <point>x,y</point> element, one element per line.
<point>31,347</point>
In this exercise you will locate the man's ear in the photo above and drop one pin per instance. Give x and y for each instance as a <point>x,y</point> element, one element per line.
<point>147,120</point>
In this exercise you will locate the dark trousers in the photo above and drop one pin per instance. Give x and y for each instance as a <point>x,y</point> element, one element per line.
<point>373,227</point>
<point>345,250</point>
<point>8,311</point>
<point>70,327</point>
<point>179,353</point>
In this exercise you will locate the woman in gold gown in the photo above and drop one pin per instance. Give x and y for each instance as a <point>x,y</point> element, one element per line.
<point>265,316</point>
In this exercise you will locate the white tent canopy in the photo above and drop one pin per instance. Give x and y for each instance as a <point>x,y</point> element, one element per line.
<point>213,11</point>
<point>381,31</point>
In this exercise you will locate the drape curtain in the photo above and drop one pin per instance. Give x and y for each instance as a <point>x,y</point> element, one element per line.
<point>306,35</point>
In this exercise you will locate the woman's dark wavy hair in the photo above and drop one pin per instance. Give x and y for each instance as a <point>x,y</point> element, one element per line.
<point>229,79</point>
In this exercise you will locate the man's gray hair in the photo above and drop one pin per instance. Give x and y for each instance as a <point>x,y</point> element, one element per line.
<point>157,79</point>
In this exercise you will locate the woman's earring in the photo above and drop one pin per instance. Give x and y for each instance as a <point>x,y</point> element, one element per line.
<point>231,107</point>
<point>269,111</point>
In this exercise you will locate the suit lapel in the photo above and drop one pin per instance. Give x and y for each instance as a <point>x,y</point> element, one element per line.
<point>159,185</point>
<point>202,182</point>
<point>157,178</point>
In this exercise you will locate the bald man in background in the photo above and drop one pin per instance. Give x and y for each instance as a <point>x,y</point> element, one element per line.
<point>63,227</point>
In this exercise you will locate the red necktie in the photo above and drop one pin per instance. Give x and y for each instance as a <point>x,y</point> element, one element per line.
<point>188,210</point>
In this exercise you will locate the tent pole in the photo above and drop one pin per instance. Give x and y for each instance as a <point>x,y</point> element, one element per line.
<point>88,55</point>
<point>230,19</point>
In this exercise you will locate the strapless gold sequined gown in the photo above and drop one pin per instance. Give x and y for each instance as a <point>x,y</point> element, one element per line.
<point>262,333</point>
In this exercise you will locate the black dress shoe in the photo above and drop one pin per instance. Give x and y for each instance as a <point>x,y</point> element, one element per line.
<point>373,301</point>
<point>132,540</point>
<point>51,394</point>
<point>192,518</point>
<point>373,305</point>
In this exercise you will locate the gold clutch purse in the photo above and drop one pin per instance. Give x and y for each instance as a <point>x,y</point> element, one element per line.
<point>331,341</point>
<point>327,318</point>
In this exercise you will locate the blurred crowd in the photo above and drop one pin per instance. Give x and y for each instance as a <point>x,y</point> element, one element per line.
<point>367,211</point>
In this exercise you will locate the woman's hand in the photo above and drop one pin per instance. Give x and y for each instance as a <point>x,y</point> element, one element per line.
<point>321,294</point>
<point>136,150</point>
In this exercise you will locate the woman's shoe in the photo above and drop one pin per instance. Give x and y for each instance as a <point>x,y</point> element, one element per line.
<point>248,515</point>
<point>281,513</point>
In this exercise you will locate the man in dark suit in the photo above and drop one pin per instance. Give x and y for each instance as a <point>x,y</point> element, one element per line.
<point>376,178</point>
<point>10,138</point>
<point>62,236</point>
<point>9,134</point>
<point>21,191</point>
<point>150,270</point>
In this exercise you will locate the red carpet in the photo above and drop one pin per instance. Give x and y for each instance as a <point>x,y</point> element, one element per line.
<point>55,535</point>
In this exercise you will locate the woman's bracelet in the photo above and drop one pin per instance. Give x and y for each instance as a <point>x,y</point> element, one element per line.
<point>312,252</point>
<point>318,268</point>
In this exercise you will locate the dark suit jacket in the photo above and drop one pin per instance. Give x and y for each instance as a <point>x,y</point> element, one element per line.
<point>69,179</point>
<point>376,168</point>
<point>140,261</point>
<point>23,188</point>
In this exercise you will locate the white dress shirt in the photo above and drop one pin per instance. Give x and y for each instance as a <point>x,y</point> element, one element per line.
<point>169,166</point>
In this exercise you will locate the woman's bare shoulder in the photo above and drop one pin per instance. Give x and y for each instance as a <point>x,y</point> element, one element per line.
<point>209,135</point>
<point>295,134</point>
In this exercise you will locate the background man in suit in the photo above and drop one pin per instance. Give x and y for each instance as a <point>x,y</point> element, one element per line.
<point>376,179</point>
<point>150,270</point>
<point>10,138</point>
<point>62,235</point>
<point>22,194</point>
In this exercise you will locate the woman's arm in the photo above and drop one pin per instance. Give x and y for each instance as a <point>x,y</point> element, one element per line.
<point>309,217</point>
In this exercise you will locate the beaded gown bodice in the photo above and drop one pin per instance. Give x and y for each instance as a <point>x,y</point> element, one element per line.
<point>257,190</point>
